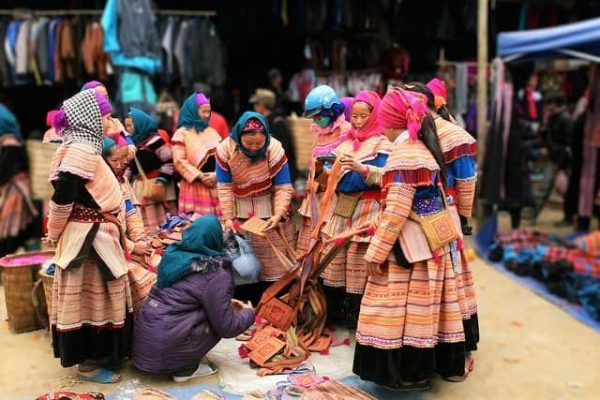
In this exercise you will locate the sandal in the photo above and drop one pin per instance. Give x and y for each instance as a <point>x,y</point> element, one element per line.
<point>409,387</point>
<point>202,371</point>
<point>469,366</point>
<point>102,375</point>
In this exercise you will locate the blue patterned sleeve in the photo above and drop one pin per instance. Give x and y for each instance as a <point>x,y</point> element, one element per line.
<point>355,182</point>
<point>222,175</point>
<point>463,168</point>
<point>283,177</point>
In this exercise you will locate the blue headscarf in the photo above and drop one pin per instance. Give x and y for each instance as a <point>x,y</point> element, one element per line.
<point>188,115</point>
<point>9,123</point>
<point>203,239</point>
<point>236,134</point>
<point>107,145</point>
<point>144,125</point>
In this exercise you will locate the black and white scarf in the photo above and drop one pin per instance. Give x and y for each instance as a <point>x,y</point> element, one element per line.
<point>84,120</point>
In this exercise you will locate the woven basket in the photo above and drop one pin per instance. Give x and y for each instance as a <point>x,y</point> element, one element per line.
<point>303,140</point>
<point>47,281</point>
<point>40,156</point>
<point>18,283</point>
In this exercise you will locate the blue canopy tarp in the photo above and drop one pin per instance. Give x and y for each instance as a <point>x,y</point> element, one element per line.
<point>579,40</point>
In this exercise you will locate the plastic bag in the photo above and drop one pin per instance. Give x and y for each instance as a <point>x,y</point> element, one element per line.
<point>246,266</point>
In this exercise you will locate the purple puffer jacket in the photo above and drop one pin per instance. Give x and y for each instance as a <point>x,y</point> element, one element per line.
<point>179,324</point>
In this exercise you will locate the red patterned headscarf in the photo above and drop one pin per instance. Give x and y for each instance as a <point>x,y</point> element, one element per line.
<point>253,125</point>
<point>401,109</point>
<point>438,87</point>
<point>371,128</point>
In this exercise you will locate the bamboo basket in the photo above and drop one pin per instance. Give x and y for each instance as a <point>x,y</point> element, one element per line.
<point>47,281</point>
<point>40,156</point>
<point>303,140</point>
<point>18,280</point>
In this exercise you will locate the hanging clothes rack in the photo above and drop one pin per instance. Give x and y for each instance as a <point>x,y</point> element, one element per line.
<point>49,13</point>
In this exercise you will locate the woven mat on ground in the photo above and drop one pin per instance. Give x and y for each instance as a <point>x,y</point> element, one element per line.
<point>187,392</point>
<point>237,376</point>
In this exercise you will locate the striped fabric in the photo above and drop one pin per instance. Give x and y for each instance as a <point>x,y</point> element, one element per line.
<point>164,152</point>
<point>464,282</point>
<point>81,296</point>
<point>140,282</point>
<point>465,196</point>
<point>77,159</point>
<point>416,307</point>
<point>365,212</point>
<point>454,140</point>
<point>197,199</point>
<point>191,150</point>
<point>398,203</point>
<point>334,390</point>
<point>252,179</point>
<point>348,269</point>
<point>271,268</point>
<point>16,209</point>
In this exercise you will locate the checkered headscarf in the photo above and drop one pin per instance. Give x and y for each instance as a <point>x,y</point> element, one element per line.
<point>84,120</point>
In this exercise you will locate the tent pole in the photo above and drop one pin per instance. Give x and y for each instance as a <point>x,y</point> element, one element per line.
<point>482,88</point>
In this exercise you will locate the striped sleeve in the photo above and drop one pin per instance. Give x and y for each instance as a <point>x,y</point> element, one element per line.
<point>398,204</point>
<point>182,165</point>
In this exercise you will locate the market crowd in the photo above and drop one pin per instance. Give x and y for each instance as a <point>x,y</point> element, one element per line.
<point>397,171</point>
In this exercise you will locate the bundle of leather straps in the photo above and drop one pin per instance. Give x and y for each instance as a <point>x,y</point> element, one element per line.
<point>294,308</point>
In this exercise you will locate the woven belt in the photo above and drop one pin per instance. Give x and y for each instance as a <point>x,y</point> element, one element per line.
<point>86,214</point>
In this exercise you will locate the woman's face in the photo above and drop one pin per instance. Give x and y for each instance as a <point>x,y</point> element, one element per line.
<point>204,112</point>
<point>253,141</point>
<point>101,90</point>
<point>106,124</point>
<point>129,127</point>
<point>360,114</point>
<point>117,161</point>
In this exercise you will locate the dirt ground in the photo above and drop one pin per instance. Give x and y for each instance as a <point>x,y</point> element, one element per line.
<point>529,349</point>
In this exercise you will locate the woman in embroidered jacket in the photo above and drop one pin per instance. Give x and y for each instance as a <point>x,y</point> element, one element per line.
<point>357,202</point>
<point>410,327</point>
<point>459,149</point>
<point>331,129</point>
<point>194,147</point>
<point>140,279</point>
<point>254,180</point>
<point>91,316</point>
<point>155,157</point>
<point>17,212</point>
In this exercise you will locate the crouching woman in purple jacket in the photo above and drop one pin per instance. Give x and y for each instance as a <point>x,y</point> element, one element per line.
<point>190,309</point>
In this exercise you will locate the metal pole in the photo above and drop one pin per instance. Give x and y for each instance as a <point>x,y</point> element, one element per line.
<point>482,79</point>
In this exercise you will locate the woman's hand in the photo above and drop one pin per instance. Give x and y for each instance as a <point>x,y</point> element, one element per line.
<point>240,305</point>
<point>273,222</point>
<point>349,163</point>
<point>49,242</point>
<point>141,248</point>
<point>208,179</point>
<point>228,225</point>
<point>374,269</point>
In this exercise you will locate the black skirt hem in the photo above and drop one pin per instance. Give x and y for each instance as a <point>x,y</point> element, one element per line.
<point>408,364</point>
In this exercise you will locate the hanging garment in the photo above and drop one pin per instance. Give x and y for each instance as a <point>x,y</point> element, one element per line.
<point>167,43</point>
<point>180,51</point>
<point>207,59</point>
<point>22,49</point>
<point>137,29</point>
<point>590,153</point>
<point>41,48</point>
<point>462,88</point>
<point>52,39</point>
<point>136,90</point>
<point>4,69</point>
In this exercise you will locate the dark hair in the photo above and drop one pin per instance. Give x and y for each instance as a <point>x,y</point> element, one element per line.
<point>428,135</point>
<point>423,89</point>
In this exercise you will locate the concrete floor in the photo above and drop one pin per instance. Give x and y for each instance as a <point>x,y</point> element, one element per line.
<point>530,349</point>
